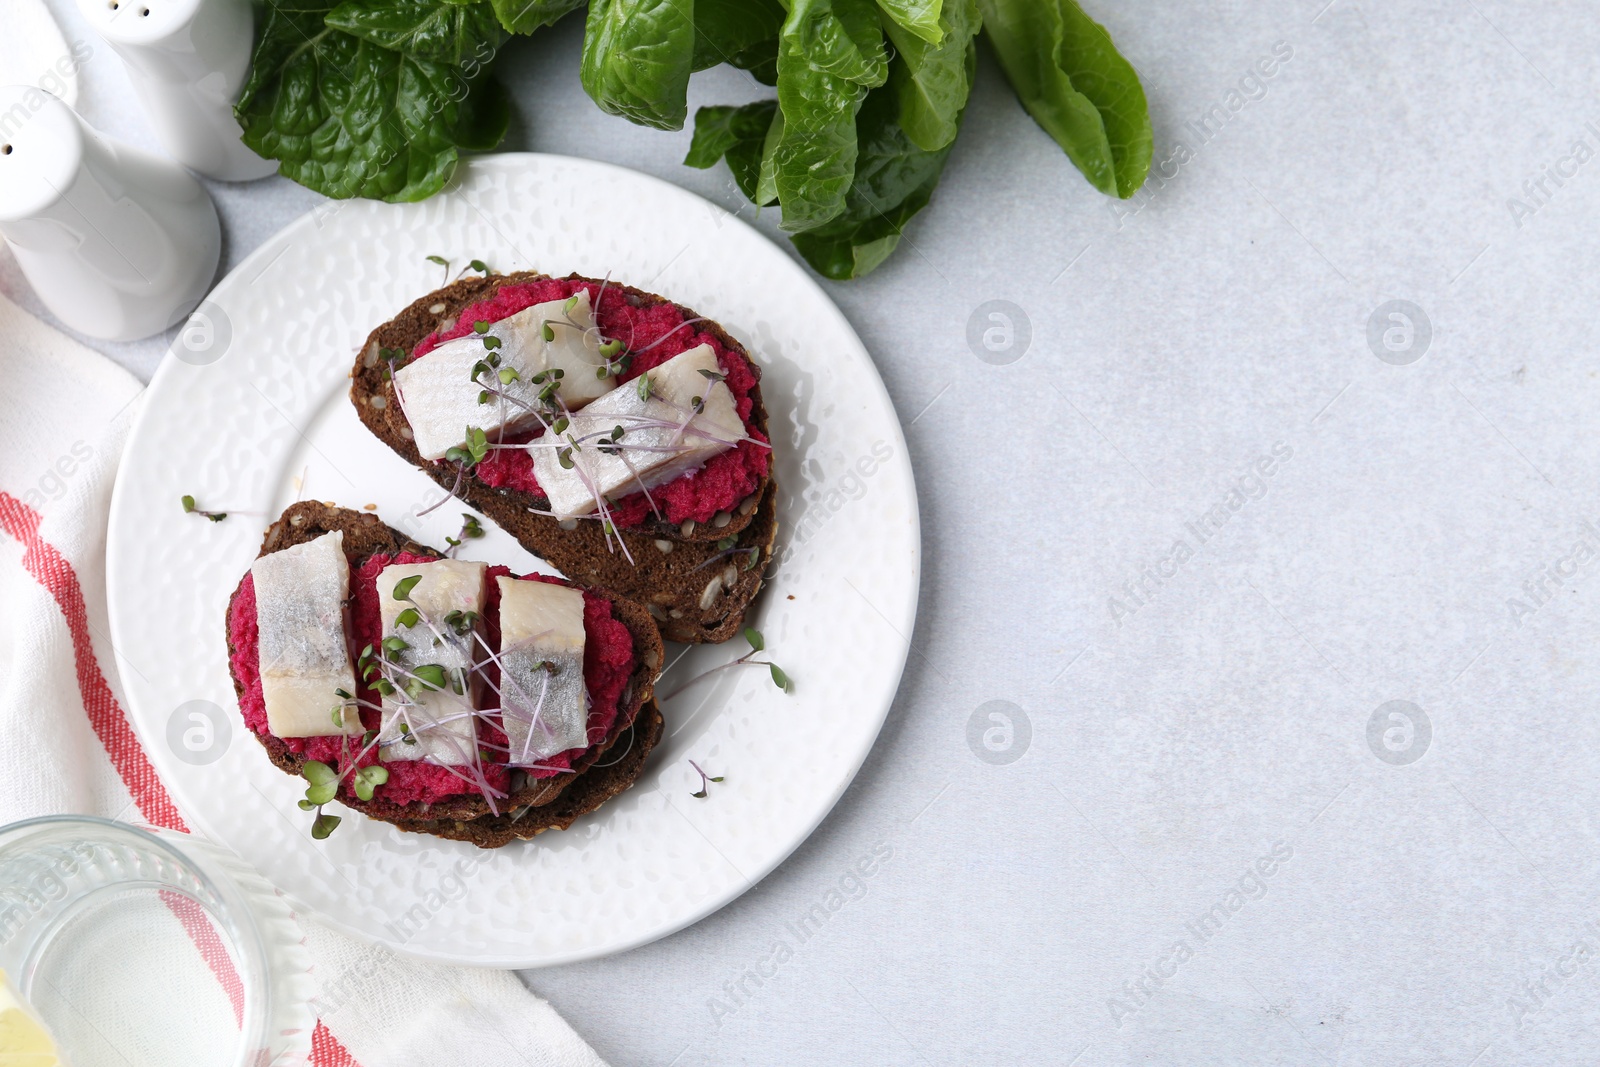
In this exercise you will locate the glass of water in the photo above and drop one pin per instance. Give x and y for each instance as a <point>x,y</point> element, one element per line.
<point>137,946</point>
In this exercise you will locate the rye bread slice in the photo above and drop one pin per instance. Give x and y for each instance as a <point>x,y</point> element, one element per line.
<point>539,804</point>
<point>686,583</point>
<point>370,378</point>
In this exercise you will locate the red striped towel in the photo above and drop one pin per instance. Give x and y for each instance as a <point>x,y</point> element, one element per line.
<point>64,412</point>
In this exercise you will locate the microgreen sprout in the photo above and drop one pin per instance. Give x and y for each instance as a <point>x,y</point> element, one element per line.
<point>429,676</point>
<point>461,622</point>
<point>465,457</point>
<point>322,786</point>
<point>189,508</point>
<point>337,712</point>
<point>757,644</point>
<point>323,782</point>
<point>392,357</point>
<point>617,359</point>
<point>476,265</point>
<point>728,546</point>
<point>471,453</point>
<point>644,386</point>
<point>368,779</point>
<point>705,781</point>
<point>470,528</point>
<point>402,588</point>
<point>441,261</point>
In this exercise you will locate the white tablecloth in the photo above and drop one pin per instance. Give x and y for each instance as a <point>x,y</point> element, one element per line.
<point>1221,511</point>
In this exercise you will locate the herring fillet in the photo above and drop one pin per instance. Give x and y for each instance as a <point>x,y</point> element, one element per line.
<point>544,703</point>
<point>442,724</point>
<point>663,436</point>
<point>304,657</point>
<point>440,397</point>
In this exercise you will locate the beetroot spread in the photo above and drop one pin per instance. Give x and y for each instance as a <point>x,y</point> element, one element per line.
<point>726,479</point>
<point>607,663</point>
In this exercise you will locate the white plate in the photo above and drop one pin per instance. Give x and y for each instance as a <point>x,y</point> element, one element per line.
<point>252,399</point>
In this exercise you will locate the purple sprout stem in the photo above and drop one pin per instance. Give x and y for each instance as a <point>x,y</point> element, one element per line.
<point>742,661</point>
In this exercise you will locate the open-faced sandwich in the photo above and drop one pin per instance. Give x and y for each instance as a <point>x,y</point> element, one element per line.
<point>444,696</point>
<point>612,432</point>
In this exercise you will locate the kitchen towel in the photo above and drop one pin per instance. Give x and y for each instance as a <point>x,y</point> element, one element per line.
<point>64,414</point>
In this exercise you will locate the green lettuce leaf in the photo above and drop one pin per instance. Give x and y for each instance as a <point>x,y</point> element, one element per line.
<point>742,33</point>
<point>637,57</point>
<point>461,34</point>
<point>483,117</point>
<point>830,54</point>
<point>934,80</point>
<point>1073,81</point>
<point>525,16</point>
<point>920,17</point>
<point>894,180</point>
<point>738,134</point>
<point>767,173</point>
<point>346,117</point>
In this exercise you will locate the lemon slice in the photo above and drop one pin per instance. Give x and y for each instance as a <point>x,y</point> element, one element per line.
<point>23,1041</point>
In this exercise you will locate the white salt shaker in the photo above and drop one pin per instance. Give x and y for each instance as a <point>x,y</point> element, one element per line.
<point>187,60</point>
<point>118,243</point>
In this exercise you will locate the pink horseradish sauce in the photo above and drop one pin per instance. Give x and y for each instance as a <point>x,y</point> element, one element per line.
<point>725,480</point>
<point>607,662</point>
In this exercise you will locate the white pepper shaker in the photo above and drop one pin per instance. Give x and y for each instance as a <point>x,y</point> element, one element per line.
<point>118,243</point>
<point>188,60</point>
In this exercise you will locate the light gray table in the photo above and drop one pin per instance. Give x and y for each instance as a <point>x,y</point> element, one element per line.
<point>1214,842</point>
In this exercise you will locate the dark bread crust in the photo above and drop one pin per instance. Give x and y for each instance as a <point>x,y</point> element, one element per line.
<point>599,784</point>
<point>672,584</point>
<point>543,803</point>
